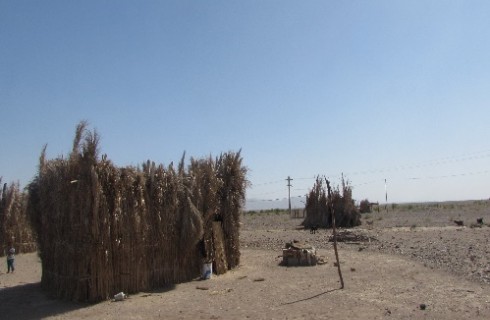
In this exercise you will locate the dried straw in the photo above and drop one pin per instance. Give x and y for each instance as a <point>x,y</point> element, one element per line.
<point>107,229</point>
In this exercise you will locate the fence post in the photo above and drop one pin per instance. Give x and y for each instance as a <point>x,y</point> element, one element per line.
<point>330,204</point>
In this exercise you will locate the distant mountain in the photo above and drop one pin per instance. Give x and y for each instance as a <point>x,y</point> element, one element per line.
<point>257,204</point>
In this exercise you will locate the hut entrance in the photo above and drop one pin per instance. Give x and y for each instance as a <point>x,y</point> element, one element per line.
<point>219,264</point>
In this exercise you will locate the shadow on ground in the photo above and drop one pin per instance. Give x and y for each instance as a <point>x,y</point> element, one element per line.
<point>28,301</point>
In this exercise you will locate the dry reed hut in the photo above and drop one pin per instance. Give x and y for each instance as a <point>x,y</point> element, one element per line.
<point>317,209</point>
<point>15,228</point>
<point>107,229</point>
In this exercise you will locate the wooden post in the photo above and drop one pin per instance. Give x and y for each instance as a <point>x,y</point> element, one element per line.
<point>330,205</point>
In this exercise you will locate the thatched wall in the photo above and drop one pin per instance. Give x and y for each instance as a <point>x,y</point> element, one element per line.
<point>317,206</point>
<point>107,229</point>
<point>15,229</point>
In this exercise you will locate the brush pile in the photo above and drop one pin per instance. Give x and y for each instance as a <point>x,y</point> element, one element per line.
<point>351,237</point>
<point>104,229</point>
<point>318,213</point>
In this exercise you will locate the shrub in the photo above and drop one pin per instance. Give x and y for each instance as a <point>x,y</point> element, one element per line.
<point>365,206</point>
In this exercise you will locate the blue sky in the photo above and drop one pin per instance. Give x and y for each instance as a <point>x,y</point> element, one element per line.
<point>395,90</point>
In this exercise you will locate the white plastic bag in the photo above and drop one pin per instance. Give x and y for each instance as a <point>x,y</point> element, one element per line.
<point>120,296</point>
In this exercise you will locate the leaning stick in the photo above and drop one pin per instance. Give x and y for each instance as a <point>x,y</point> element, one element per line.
<point>330,204</point>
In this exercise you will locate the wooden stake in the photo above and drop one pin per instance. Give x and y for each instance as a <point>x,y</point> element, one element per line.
<point>330,204</point>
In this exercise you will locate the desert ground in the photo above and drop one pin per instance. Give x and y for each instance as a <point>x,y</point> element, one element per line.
<point>400,258</point>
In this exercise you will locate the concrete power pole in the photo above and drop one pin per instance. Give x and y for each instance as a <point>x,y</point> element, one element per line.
<point>386,197</point>
<point>289,193</point>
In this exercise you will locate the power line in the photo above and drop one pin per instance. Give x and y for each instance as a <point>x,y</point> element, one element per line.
<point>377,181</point>
<point>451,175</point>
<point>479,155</point>
<point>428,163</point>
<point>266,183</point>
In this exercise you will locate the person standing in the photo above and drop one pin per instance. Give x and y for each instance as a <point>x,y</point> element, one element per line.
<point>10,259</point>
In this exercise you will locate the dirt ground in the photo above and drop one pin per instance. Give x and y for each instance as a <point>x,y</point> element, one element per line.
<point>410,257</point>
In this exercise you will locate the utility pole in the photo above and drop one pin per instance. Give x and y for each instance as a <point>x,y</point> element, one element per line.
<point>386,197</point>
<point>289,193</point>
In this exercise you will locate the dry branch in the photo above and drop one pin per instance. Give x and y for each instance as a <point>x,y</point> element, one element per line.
<point>335,236</point>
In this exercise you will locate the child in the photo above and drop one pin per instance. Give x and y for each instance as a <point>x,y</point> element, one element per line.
<point>10,260</point>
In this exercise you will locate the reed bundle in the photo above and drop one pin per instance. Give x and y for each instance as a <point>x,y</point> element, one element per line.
<point>317,209</point>
<point>15,229</point>
<point>108,229</point>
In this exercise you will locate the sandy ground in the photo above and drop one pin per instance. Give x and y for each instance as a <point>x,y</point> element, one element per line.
<point>406,264</point>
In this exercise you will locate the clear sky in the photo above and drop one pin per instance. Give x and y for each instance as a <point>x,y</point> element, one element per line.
<point>395,90</point>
